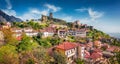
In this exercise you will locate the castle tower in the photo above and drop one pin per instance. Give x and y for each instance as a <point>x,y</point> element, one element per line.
<point>51,15</point>
<point>44,18</point>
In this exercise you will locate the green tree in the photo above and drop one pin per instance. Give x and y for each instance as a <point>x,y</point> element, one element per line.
<point>79,61</point>
<point>59,58</point>
<point>9,38</point>
<point>41,55</point>
<point>27,44</point>
<point>8,55</point>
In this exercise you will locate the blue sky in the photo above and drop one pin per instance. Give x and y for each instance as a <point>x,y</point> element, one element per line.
<point>102,14</point>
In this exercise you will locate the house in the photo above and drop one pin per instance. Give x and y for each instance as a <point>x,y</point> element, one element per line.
<point>113,49</point>
<point>62,33</point>
<point>81,51</point>
<point>6,26</point>
<point>48,31</point>
<point>30,32</point>
<point>77,32</point>
<point>96,56</point>
<point>93,56</point>
<point>17,31</point>
<point>69,50</point>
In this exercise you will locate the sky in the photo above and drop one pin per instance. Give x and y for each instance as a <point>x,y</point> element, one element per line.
<point>102,14</point>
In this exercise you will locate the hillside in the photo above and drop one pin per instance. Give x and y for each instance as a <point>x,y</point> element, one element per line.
<point>5,17</point>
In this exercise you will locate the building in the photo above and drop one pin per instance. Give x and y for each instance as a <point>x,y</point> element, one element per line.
<point>62,33</point>
<point>48,32</point>
<point>6,26</point>
<point>44,18</point>
<point>69,50</point>
<point>77,32</point>
<point>81,51</point>
<point>96,56</point>
<point>17,31</point>
<point>30,32</point>
<point>51,16</point>
<point>77,22</point>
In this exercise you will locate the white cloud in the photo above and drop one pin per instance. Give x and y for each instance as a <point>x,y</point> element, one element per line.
<point>33,13</point>
<point>9,5</point>
<point>36,11</point>
<point>9,12</point>
<point>94,14</point>
<point>52,7</point>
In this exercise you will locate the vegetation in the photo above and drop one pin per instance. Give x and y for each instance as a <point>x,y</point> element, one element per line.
<point>115,59</point>
<point>9,38</point>
<point>33,50</point>
<point>34,25</point>
<point>79,61</point>
<point>59,58</point>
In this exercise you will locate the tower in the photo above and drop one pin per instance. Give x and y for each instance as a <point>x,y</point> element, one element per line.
<point>51,16</point>
<point>44,18</point>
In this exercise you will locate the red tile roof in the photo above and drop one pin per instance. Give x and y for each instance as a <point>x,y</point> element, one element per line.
<point>48,29</point>
<point>96,55</point>
<point>112,48</point>
<point>66,46</point>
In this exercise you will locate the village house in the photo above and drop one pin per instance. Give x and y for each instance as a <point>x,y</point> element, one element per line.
<point>81,51</point>
<point>30,32</point>
<point>17,31</point>
<point>77,32</point>
<point>62,33</point>
<point>93,56</point>
<point>69,50</point>
<point>96,56</point>
<point>48,32</point>
<point>7,25</point>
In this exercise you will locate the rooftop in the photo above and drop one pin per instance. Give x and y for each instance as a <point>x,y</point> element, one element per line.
<point>66,46</point>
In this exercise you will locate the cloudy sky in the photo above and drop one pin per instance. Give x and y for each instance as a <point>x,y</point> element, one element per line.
<point>102,14</point>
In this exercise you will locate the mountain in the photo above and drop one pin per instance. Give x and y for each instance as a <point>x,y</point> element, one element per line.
<point>6,17</point>
<point>116,35</point>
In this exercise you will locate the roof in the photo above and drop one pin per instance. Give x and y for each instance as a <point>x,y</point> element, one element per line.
<point>96,55</point>
<point>66,46</point>
<point>48,29</point>
<point>112,48</point>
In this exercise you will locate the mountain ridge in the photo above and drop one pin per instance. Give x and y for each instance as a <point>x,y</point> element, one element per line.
<point>7,18</point>
<point>116,35</point>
